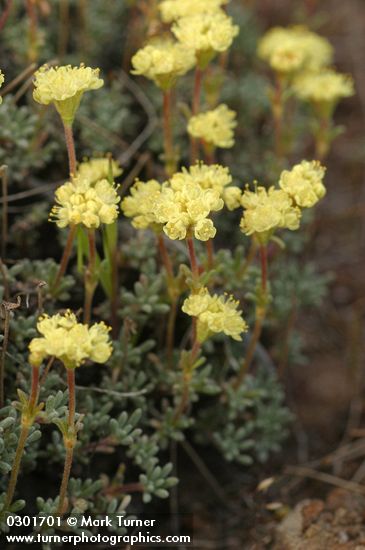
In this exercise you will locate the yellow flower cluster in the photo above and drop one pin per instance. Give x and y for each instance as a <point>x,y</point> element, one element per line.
<point>267,210</point>
<point>69,341</point>
<point>304,183</point>
<point>323,87</point>
<point>171,10</point>
<point>140,204</point>
<point>288,50</point>
<point>163,62</point>
<point>212,176</point>
<point>185,211</point>
<point>215,314</point>
<point>81,202</point>
<point>182,204</point>
<point>206,34</point>
<point>215,127</point>
<point>64,87</point>
<point>2,78</point>
<point>96,169</point>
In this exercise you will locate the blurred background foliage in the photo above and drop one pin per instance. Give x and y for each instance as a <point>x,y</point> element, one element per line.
<point>127,446</point>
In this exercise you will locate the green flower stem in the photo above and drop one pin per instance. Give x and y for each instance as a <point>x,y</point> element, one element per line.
<point>27,420</point>
<point>71,397</point>
<point>65,257</point>
<point>16,465</point>
<point>192,256</point>
<point>170,162</point>
<point>70,148</point>
<point>69,440</point>
<point>90,283</point>
<point>259,321</point>
<point>322,137</point>
<point>263,260</point>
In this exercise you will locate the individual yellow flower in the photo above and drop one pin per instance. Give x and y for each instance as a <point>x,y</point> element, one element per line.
<point>232,197</point>
<point>267,210</point>
<point>185,211</point>
<point>64,87</point>
<point>163,62</point>
<point>288,50</point>
<point>97,169</point>
<point>2,78</point>
<point>323,87</point>
<point>69,341</point>
<point>214,127</point>
<point>304,183</point>
<point>215,314</point>
<point>171,10</point>
<point>207,34</point>
<point>141,204</point>
<point>81,202</point>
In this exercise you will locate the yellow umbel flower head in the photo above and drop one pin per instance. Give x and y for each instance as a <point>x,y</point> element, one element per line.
<point>267,210</point>
<point>163,62</point>
<point>215,314</point>
<point>97,169</point>
<point>212,176</point>
<point>184,211</point>
<point>2,78</point>
<point>141,204</point>
<point>215,128</point>
<point>304,183</point>
<point>82,202</point>
<point>171,10</point>
<point>69,341</point>
<point>326,87</point>
<point>207,34</point>
<point>64,87</point>
<point>288,50</point>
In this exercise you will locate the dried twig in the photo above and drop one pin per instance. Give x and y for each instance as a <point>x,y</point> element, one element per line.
<point>6,307</point>
<point>18,79</point>
<point>303,471</point>
<point>149,109</point>
<point>5,201</point>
